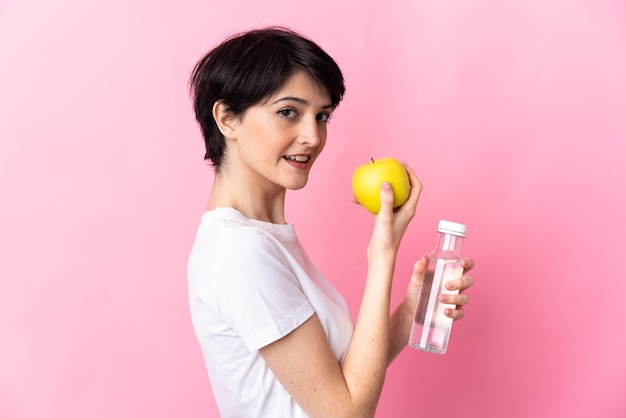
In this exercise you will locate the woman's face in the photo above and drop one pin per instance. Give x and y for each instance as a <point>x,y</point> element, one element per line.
<point>275,142</point>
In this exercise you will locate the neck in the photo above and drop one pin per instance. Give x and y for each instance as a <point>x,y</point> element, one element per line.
<point>250,199</point>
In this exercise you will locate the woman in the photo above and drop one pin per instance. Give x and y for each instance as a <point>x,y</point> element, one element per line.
<point>277,338</point>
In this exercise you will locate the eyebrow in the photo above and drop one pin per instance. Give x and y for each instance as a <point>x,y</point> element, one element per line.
<point>298,100</point>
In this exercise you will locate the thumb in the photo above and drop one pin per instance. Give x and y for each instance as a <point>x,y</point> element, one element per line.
<point>412,295</point>
<point>386,198</point>
<point>419,268</point>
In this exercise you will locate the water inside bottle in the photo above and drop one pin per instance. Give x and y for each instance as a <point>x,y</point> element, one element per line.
<point>431,328</point>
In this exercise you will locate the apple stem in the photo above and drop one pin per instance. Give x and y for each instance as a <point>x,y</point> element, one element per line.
<point>372,160</point>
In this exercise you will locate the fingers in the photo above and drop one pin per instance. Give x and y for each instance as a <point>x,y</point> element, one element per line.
<point>464,282</point>
<point>467,264</point>
<point>458,300</point>
<point>416,186</point>
<point>455,314</point>
<point>408,208</point>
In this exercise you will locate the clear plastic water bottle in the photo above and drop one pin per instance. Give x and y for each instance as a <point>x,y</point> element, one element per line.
<point>431,328</point>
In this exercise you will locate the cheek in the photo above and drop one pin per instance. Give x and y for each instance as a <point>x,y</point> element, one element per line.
<point>322,144</point>
<point>322,136</point>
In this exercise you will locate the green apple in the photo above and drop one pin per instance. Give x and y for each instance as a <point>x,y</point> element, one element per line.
<point>367,179</point>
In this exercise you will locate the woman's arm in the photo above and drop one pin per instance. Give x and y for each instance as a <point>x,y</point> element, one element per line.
<point>302,360</point>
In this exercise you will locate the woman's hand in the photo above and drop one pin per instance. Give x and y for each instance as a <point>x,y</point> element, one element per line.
<point>411,298</point>
<point>461,284</point>
<point>391,223</point>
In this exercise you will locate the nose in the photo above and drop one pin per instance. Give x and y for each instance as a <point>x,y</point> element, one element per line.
<point>312,133</point>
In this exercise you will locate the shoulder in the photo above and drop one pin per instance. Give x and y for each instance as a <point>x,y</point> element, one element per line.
<point>225,231</point>
<point>228,244</point>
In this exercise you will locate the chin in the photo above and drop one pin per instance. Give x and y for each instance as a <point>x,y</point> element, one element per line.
<point>297,185</point>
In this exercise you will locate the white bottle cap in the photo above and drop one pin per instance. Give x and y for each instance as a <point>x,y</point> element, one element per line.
<point>452,228</point>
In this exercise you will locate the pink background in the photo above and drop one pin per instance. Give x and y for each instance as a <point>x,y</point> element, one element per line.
<point>513,114</point>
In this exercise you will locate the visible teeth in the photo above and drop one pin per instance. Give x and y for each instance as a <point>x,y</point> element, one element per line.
<point>298,158</point>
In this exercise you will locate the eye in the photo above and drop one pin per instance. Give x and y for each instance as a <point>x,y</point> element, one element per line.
<point>287,113</point>
<point>323,117</point>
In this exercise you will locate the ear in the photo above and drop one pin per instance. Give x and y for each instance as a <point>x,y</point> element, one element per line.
<point>225,121</point>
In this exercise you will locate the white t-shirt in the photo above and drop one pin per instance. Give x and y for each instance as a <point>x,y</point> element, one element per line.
<point>250,284</point>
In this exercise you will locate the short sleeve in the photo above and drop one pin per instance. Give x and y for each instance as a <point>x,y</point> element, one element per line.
<point>253,289</point>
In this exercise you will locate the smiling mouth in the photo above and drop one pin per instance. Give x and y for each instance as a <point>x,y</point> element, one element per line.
<point>297,158</point>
